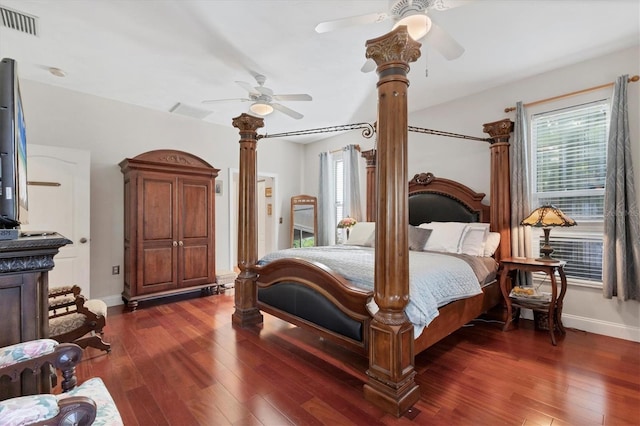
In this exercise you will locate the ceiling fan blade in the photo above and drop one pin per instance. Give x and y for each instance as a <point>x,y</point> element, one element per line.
<point>369,65</point>
<point>443,42</point>
<point>249,88</point>
<point>352,21</point>
<point>296,97</point>
<point>215,101</point>
<point>288,111</point>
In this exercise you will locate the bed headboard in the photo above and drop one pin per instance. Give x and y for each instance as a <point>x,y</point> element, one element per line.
<point>433,199</point>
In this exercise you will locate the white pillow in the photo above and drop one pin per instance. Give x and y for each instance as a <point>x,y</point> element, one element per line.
<point>360,233</point>
<point>490,246</point>
<point>445,236</point>
<point>474,238</point>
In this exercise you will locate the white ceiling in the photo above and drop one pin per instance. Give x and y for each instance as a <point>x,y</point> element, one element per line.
<point>155,53</point>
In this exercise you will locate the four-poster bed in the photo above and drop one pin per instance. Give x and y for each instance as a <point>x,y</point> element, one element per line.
<point>310,295</point>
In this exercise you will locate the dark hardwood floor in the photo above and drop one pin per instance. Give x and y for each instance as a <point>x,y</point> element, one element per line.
<point>180,362</point>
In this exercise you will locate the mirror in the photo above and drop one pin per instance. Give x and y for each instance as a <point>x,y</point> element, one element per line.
<point>304,221</point>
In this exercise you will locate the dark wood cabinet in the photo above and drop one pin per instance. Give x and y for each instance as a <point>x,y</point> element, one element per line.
<point>169,238</point>
<point>24,305</point>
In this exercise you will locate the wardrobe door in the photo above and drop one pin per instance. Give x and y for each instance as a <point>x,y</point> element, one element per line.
<point>157,233</point>
<point>196,242</point>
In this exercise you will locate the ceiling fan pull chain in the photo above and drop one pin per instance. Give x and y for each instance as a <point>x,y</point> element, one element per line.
<point>426,62</point>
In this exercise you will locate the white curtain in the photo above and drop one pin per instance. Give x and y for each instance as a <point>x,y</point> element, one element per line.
<point>520,191</point>
<point>326,200</point>
<point>621,248</point>
<point>352,201</point>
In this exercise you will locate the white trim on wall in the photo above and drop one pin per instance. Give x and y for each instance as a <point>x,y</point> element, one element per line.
<point>578,324</point>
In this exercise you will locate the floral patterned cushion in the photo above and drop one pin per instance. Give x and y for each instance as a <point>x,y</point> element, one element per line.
<point>25,351</point>
<point>25,410</point>
<point>95,389</point>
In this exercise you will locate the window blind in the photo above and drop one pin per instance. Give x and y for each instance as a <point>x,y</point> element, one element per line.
<point>569,148</point>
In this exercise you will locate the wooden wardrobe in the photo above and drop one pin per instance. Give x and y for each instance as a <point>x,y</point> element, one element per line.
<point>169,225</point>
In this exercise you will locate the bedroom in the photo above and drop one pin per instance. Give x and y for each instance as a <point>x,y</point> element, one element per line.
<point>114,131</point>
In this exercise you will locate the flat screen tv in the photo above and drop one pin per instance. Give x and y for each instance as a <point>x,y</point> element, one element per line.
<point>14,204</point>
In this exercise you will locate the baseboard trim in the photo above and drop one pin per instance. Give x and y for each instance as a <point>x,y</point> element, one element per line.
<point>611,329</point>
<point>606,328</point>
<point>114,300</point>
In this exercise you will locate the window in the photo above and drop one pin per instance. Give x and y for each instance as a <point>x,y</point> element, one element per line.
<point>569,148</point>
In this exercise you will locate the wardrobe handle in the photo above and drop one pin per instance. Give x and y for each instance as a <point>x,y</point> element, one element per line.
<point>180,243</point>
<point>175,244</point>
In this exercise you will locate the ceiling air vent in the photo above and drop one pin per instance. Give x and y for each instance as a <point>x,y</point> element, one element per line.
<point>189,111</point>
<point>19,21</point>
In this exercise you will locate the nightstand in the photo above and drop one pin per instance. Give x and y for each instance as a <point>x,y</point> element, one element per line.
<point>553,307</point>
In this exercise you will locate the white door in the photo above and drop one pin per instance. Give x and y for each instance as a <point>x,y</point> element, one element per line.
<point>59,202</point>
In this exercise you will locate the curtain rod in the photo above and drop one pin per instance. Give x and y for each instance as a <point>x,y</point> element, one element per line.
<point>342,149</point>
<point>566,95</point>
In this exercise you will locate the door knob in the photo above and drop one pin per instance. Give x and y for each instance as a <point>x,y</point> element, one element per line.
<point>83,240</point>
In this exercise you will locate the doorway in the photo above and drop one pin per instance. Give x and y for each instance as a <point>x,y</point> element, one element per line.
<point>268,212</point>
<point>59,187</point>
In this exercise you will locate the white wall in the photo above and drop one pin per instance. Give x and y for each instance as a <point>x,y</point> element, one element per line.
<point>112,131</point>
<point>468,161</point>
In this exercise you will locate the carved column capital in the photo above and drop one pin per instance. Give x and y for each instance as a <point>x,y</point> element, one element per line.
<point>499,130</point>
<point>370,157</point>
<point>395,47</point>
<point>247,123</point>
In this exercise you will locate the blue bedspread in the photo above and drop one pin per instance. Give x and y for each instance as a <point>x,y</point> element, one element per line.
<point>435,279</point>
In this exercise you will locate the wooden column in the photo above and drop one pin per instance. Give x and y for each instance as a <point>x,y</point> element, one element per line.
<point>370,156</point>
<point>391,384</point>
<point>246,291</point>
<point>500,194</point>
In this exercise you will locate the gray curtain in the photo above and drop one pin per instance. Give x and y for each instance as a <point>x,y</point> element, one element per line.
<point>352,204</point>
<point>326,198</point>
<point>621,248</point>
<point>520,191</point>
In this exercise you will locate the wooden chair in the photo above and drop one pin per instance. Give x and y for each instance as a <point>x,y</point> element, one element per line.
<point>74,319</point>
<point>78,405</point>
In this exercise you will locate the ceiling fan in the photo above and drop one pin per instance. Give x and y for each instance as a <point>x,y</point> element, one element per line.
<point>413,14</point>
<point>262,98</point>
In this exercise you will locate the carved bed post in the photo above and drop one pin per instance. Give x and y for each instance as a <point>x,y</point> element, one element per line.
<point>370,156</point>
<point>500,184</point>
<point>391,384</point>
<point>246,291</point>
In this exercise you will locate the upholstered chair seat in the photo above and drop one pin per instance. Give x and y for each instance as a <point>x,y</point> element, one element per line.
<point>89,403</point>
<point>74,319</point>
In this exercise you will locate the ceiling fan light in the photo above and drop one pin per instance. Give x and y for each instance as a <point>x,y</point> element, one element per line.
<point>261,108</point>
<point>418,25</point>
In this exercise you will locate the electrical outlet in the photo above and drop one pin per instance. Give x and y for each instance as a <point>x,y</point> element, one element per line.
<point>115,270</point>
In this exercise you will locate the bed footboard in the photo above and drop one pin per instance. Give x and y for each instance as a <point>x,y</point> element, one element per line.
<point>310,295</point>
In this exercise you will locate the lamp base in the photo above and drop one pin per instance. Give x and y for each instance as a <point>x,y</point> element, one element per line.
<point>546,249</point>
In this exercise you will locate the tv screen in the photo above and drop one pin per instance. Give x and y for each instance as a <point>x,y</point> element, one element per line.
<point>14,203</point>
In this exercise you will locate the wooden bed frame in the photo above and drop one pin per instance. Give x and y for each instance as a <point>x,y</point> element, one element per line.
<point>387,337</point>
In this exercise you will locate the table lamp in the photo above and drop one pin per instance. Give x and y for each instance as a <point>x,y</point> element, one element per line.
<point>545,217</point>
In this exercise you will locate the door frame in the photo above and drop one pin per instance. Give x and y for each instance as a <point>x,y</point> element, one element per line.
<point>233,214</point>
